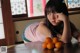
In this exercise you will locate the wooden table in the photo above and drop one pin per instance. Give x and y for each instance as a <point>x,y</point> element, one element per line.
<point>36,47</point>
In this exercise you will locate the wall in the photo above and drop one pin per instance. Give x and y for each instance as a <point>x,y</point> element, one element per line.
<point>76,20</point>
<point>20,25</point>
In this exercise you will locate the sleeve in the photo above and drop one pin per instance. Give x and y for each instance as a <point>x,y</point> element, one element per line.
<point>75,34</point>
<point>74,30</point>
<point>30,32</point>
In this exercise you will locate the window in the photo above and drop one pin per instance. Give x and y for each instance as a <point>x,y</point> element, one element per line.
<point>73,3</point>
<point>18,7</point>
<point>73,6</point>
<point>2,35</point>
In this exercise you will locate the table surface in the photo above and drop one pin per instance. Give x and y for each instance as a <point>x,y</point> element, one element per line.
<point>36,47</point>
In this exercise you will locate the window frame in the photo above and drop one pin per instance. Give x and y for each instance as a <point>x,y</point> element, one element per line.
<point>8,24</point>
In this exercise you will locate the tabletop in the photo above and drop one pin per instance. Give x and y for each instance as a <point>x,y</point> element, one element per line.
<point>36,47</point>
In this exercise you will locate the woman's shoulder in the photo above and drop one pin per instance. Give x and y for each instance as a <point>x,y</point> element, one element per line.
<point>43,29</point>
<point>42,25</point>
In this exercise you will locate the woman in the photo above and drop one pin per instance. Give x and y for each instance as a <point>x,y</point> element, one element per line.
<point>56,24</point>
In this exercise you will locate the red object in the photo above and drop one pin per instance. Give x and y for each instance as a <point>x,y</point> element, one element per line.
<point>43,5</point>
<point>31,7</point>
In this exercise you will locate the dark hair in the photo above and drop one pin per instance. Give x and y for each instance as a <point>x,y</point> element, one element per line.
<point>56,6</point>
<point>53,6</point>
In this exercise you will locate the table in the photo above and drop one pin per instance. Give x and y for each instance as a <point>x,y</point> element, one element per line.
<point>36,47</point>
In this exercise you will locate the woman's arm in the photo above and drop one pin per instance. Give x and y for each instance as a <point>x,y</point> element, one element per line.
<point>66,35</point>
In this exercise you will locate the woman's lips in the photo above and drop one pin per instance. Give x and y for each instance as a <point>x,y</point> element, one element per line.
<point>54,21</point>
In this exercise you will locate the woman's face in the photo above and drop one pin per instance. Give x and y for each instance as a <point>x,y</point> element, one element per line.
<point>52,17</point>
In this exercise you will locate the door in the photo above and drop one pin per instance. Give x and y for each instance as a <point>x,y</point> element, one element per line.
<point>7,34</point>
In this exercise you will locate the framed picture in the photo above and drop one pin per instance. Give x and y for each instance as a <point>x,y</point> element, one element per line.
<point>36,7</point>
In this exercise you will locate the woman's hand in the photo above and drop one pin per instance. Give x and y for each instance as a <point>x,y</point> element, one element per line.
<point>61,17</point>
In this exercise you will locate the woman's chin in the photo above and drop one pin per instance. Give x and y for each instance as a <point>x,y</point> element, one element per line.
<point>54,24</point>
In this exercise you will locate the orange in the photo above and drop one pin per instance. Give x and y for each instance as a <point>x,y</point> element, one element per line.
<point>44,45</point>
<point>48,40</point>
<point>50,45</point>
<point>55,40</point>
<point>58,45</point>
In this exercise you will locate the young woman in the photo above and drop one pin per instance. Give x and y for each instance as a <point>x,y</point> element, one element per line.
<point>56,24</point>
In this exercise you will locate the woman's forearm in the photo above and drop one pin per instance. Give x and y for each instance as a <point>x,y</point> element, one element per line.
<point>66,35</point>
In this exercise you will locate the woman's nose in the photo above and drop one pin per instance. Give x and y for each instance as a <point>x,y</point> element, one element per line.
<point>54,17</point>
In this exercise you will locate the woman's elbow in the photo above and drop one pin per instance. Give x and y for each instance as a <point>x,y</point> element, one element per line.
<point>66,40</point>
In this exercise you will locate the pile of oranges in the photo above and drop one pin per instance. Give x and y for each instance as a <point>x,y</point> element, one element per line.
<point>51,43</point>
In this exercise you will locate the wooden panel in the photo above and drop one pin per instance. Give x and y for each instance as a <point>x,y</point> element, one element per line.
<point>8,24</point>
<point>2,42</point>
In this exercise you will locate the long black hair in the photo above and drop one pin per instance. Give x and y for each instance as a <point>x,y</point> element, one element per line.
<point>58,6</point>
